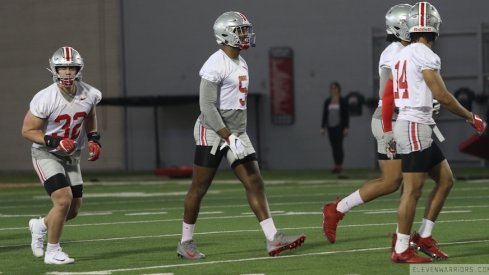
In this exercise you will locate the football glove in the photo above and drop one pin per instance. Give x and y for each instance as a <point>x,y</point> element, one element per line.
<point>236,146</point>
<point>64,145</point>
<point>390,144</point>
<point>436,107</point>
<point>93,146</point>
<point>479,124</point>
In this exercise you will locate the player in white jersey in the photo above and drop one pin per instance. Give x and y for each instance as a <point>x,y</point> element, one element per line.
<point>390,166</point>
<point>220,131</point>
<point>59,118</point>
<point>417,81</point>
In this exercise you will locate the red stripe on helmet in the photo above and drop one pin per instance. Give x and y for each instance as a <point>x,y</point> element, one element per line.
<point>67,53</point>
<point>422,14</point>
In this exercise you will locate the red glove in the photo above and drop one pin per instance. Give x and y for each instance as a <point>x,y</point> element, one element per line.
<point>64,145</point>
<point>479,124</point>
<point>67,146</point>
<point>93,150</point>
<point>93,146</point>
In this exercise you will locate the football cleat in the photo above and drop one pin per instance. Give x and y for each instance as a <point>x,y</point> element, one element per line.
<point>57,257</point>
<point>37,237</point>
<point>188,250</point>
<point>283,242</point>
<point>429,247</point>
<point>409,256</point>
<point>331,218</point>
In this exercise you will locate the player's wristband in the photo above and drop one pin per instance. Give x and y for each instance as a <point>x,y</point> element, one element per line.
<point>95,137</point>
<point>51,142</point>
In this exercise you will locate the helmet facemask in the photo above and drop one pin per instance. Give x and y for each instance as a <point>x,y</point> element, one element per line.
<point>245,36</point>
<point>69,80</point>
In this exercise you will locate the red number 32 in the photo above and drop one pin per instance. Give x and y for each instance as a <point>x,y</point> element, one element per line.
<point>69,132</point>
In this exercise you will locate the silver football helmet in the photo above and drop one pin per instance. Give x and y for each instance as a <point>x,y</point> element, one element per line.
<point>66,57</point>
<point>423,17</point>
<point>232,28</point>
<point>395,21</point>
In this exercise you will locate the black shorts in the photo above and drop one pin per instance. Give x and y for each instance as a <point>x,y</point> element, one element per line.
<point>203,157</point>
<point>422,161</point>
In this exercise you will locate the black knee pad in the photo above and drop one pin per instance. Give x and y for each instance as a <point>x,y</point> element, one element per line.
<point>55,182</point>
<point>203,156</point>
<point>77,191</point>
<point>248,158</point>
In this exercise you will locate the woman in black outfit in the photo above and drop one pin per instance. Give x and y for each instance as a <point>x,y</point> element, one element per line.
<point>335,121</point>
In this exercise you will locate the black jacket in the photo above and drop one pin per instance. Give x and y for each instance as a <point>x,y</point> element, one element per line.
<point>344,115</point>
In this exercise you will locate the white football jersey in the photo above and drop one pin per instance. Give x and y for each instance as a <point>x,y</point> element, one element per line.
<point>411,94</point>
<point>64,118</point>
<point>389,54</point>
<point>233,79</point>
<point>386,58</point>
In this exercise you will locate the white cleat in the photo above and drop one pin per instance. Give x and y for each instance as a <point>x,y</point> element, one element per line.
<point>37,234</point>
<point>57,257</point>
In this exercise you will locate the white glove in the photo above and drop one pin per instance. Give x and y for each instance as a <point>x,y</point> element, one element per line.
<point>236,146</point>
<point>436,107</point>
<point>390,144</point>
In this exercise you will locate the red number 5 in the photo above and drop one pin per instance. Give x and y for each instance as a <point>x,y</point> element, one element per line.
<point>242,89</point>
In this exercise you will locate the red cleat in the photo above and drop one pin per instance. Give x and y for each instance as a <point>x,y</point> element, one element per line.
<point>409,256</point>
<point>331,218</point>
<point>429,247</point>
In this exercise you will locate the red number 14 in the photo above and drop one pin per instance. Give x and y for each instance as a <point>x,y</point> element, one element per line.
<point>401,81</point>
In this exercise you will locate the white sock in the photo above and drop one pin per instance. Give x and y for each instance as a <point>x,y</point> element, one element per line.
<point>349,202</point>
<point>426,228</point>
<point>268,228</point>
<point>187,232</point>
<point>52,247</point>
<point>402,243</point>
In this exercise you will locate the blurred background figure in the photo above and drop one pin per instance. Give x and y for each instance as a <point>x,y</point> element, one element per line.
<point>335,122</point>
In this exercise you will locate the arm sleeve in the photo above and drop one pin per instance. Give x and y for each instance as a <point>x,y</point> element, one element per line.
<point>383,78</point>
<point>388,106</point>
<point>207,101</point>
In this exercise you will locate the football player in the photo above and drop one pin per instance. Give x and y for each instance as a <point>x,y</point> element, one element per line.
<point>416,82</point>
<point>59,121</point>
<point>390,164</point>
<point>220,131</point>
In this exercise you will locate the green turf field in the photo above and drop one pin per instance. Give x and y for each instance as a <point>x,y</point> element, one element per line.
<point>130,224</point>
